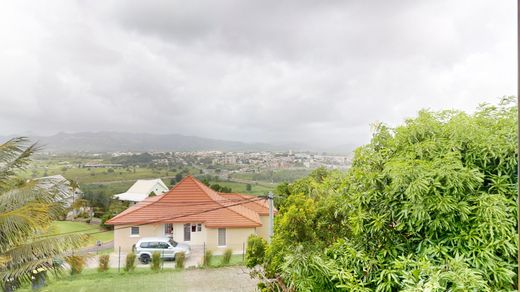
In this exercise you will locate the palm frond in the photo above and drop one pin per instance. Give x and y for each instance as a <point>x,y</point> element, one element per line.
<point>17,225</point>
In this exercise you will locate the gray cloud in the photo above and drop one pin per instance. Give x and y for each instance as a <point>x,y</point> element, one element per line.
<point>314,72</point>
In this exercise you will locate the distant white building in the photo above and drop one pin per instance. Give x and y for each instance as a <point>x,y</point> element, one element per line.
<point>141,189</point>
<point>64,189</point>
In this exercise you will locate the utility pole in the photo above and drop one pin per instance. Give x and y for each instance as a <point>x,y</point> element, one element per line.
<point>271,213</point>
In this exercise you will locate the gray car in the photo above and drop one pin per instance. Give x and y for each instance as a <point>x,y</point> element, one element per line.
<point>166,246</point>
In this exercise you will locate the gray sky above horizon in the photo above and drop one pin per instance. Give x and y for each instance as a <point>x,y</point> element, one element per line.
<point>312,72</point>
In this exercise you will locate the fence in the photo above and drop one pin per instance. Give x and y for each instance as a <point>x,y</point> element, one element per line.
<point>195,259</point>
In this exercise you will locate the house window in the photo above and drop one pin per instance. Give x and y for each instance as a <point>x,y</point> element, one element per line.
<point>134,230</point>
<point>196,227</point>
<point>222,237</point>
<point>168,229</point>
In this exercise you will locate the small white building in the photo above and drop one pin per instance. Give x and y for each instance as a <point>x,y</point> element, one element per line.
<point>142,189</point>
<point>62,186</point>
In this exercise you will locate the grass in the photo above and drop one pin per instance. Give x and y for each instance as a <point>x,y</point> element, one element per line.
<point>238,187</point>
<point>80,227</point>
<point>236,260</point>
<point>91,280</point>
<point>147,280</point>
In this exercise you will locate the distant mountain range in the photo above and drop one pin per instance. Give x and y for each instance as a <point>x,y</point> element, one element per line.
<point>93,142</point>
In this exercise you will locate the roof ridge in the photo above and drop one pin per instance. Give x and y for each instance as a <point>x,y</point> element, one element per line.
<point>174,187</point>
<point>239,209</point>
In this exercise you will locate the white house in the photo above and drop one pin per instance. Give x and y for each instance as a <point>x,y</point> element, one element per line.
<point>141,189</point>
<point>194,214</point>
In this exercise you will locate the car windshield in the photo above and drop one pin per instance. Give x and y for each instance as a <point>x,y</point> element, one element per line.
<point>173,242</point>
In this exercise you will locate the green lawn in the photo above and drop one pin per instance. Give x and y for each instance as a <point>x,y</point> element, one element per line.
<point>80,227</point>
<point>92,281</point>
<point>141,279</point>
<point>216,261</point>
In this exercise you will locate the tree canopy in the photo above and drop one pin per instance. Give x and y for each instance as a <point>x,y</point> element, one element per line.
<point>429,205</point>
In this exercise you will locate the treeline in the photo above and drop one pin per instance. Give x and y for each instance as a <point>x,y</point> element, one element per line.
<point>427,206</point>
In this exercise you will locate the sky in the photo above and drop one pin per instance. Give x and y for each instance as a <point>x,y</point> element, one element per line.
<point>311,72</point>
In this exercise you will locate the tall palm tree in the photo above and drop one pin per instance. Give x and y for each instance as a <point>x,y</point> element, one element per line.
<point>27,209</point>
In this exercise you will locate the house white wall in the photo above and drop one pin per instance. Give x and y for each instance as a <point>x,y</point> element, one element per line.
<point>123,238</point>
<point>197,237</point>
<point>263,231</point>
<point>235,237</point>
<point>158,189</point>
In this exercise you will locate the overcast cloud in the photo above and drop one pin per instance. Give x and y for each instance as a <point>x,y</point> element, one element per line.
<point>313,72</point>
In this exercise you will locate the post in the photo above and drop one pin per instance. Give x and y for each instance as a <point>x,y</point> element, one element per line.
<point>204,255</point>
<point>119,261</point>
<point>271,214</point>
<point>243,251</point>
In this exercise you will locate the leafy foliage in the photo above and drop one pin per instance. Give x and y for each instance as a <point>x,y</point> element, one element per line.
<point>430,205</point>
<point>255,251</point>
<point>27,209</point>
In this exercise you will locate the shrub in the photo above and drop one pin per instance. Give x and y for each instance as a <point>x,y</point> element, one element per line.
<point>179,260</point>
<point>77,263</point>
<point>255,251</point>
<point>206,261</point>
<point>105,218</point>
<point>156,261</point>
<point>226,257</point>
<point>130,262</point>
<point>104,261</point>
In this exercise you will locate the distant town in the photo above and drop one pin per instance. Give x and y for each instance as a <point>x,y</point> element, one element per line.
<point>216,162</point>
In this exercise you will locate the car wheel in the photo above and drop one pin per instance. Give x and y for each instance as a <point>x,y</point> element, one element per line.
<point>145,259</point>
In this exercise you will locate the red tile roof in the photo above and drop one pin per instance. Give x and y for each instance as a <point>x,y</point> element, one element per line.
<point>190,201</point>
<point>259,206</point>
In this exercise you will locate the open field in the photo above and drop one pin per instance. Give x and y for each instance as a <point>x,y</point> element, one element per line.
<point>238,187</point>
<point>80,227</point>
<point>98,175</point>
<point>213,279</point>
<point>274,176</point>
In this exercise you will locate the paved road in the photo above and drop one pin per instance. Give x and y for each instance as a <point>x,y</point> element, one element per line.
<point>95,249</point>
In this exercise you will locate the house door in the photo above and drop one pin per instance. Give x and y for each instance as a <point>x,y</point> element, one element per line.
<point>187,232</point>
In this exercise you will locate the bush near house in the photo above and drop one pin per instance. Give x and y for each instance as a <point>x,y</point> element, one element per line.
<point>104,261</point>
<point>76,263</point>
<point>206,261</point>
<point>255,250</point>
<point>130,262</point>
<point>179,260</point>
<point>226,257</point>
<point>156,261</point>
